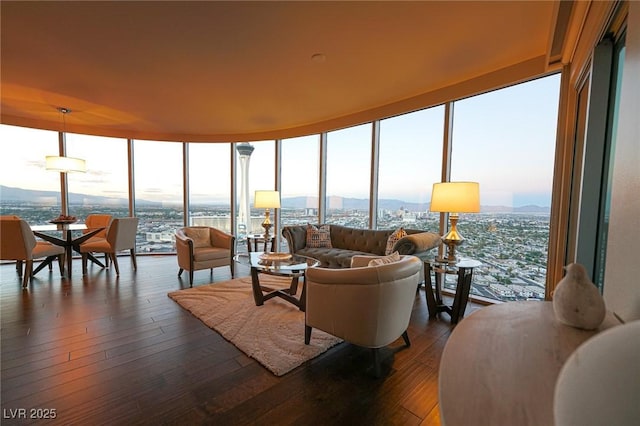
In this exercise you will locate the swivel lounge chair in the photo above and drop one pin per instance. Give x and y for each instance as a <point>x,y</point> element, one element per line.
<point>368,306</point>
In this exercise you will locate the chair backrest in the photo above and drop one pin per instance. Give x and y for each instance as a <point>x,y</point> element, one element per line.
<point>16,239</point>
<point>122,233</point>
<point>97,221</point>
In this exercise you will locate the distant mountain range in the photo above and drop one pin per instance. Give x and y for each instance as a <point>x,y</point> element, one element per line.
<point>34,196</point>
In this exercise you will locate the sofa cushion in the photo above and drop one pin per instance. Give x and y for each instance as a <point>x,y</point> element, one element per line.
<point>393,239</point>
<point>200,236</point>
<point>331,257</point>
<point>318,237</point>
<point>383,260</point>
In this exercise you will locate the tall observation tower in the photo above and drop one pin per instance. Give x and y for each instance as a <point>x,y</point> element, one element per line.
<point>244,215</point>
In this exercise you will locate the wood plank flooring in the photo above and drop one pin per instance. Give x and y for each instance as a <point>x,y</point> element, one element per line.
<point>106,350</point>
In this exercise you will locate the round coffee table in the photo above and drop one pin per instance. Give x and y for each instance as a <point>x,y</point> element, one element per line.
<point>279,264</point>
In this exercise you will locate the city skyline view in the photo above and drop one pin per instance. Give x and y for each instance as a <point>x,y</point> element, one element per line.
<point>46,197</point>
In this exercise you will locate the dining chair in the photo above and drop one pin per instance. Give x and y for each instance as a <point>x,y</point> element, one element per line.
<point>18,243</point>
<point>93,221</point>
<point>121,235</point>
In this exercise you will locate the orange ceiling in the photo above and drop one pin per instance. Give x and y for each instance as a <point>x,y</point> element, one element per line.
<point>229,71</point>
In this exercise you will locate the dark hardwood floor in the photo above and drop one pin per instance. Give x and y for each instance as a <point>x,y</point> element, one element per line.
<point>108,350</point>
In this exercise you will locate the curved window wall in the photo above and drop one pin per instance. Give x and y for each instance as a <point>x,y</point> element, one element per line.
<point>503,139</point>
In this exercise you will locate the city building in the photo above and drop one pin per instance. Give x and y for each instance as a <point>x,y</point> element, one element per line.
<point>211,76</point>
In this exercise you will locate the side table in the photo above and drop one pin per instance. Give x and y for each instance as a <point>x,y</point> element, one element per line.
<point>464,269</point>
<point>254,241</point>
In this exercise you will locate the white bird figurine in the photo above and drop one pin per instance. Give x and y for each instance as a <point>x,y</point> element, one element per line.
<point>577,301</point>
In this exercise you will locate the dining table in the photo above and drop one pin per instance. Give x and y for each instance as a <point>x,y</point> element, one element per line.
<point>70,239</point>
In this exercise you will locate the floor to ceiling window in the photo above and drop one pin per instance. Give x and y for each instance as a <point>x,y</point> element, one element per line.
<point>255,172</point>
<point>104,187</point>
<point>410,163</point>
<point>28,189</point>
<point>349,176</point>
<point>158,194</point>
<point>505,140</point>
<point>299,182</point>
<point>210,185</point>
<point>299,191</point>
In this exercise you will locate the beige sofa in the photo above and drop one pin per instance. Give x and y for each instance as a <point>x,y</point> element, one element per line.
<point>347,242</point>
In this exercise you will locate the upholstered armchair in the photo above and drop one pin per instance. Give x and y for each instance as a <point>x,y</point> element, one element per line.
<point>368,306</point>
<point>121,235</point>
<point>18,243</point>
<point>203,247</point>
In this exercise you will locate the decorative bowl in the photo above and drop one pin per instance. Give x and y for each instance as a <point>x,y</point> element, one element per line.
<point>275,256</point>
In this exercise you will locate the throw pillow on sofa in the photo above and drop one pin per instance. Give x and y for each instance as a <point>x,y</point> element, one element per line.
<point>383,260</point>
<point>318,237</point>
<point>393,239</point>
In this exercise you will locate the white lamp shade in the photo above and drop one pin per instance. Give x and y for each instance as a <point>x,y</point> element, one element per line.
<point>455,197</point>
<point>267,200</point>
<point>66,164</point>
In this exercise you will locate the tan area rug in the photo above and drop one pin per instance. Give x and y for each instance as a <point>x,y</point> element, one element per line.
<point>272,334</point>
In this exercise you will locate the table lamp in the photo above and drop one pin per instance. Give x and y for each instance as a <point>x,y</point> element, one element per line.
<point>266,200</point>
<point>454,198</point>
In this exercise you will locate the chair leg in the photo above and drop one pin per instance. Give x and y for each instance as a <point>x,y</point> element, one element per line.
<point>233,269</point>
<point>191,278</point>
<point>19,267</point>
<point>376,362</point>
<point>61,264</point>
<point>84,263</point>
<point>307,334</point>
<point>114,260</point>
<point>180,272</point>
<point>405,336</point>
<point>28,273</point>
<point>133,259</point>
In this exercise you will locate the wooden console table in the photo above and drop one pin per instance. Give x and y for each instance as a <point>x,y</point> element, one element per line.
<point>500,365</point>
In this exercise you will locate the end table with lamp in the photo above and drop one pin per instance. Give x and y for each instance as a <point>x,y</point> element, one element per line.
<point>463,268</point>
<point>255,240</point>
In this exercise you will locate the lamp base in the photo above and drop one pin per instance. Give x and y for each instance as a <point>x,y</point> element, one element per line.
<point>266,224</point>
<point>450,257</point>
<point>267,227</point>
<point>451,240</point>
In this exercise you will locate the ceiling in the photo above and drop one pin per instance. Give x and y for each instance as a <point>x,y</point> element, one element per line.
<point>246,71</point>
